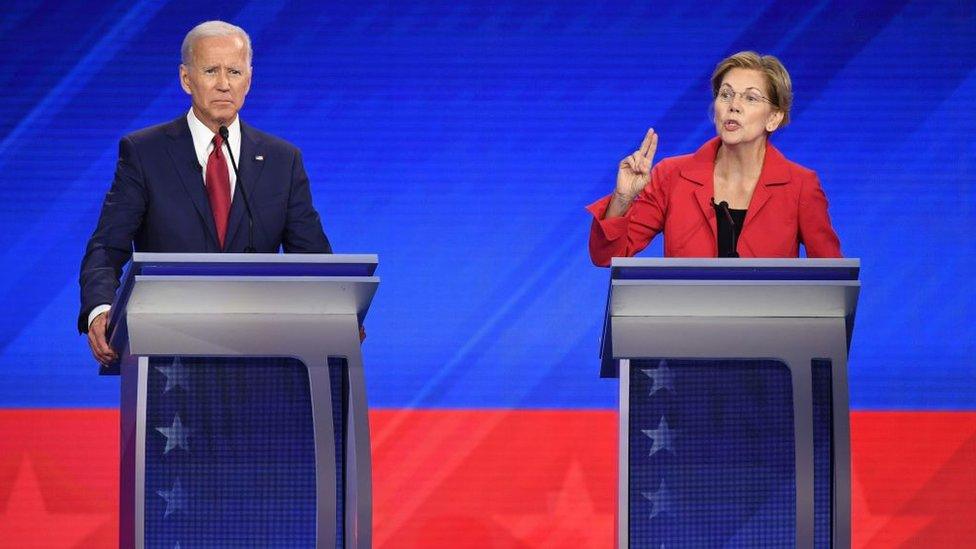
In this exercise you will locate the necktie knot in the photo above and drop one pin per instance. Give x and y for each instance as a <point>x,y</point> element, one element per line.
<point>218,143</point>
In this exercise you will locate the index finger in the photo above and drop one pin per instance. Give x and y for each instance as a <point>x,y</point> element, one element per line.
<point>648,144</point>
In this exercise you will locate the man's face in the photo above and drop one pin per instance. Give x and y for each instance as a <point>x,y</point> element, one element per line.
<point>217,79</point>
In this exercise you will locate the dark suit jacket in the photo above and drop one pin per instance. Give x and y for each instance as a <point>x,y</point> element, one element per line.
<point>787,208</point>
<point>158,203</point>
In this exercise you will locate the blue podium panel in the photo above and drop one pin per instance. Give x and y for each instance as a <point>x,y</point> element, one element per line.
<point>823,451</point>
<point>230,453</point>
<point>712,454</point>
<point>339,386</point>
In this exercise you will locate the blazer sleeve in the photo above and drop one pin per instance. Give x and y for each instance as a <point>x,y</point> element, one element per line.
<point>627,235</point>
<point>110,246</point>
<point>303,227</point>
<point>816,232</point>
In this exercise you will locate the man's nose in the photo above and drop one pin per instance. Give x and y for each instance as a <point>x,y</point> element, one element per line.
<point>223,81</point>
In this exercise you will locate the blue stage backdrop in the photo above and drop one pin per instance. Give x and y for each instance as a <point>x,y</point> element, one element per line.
<point>460,141</point>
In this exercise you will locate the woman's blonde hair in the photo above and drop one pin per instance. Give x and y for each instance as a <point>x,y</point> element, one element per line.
<point>779,88</point>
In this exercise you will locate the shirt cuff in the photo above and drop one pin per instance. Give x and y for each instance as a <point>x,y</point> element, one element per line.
<point>97,311</point>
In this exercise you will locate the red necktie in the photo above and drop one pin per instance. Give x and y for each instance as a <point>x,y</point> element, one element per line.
<point>218,188</point>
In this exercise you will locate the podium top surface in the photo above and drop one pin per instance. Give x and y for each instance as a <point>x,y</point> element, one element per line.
<point>225,283</point>
<point>733,287</point>
<point>722,289</point>
<point>633,268</point>
<point>267,264</point>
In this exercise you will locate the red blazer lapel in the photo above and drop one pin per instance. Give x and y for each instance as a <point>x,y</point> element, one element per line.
<point>775,171</point>
<point>701,171</point>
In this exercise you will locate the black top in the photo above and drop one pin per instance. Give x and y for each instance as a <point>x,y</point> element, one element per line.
<point>729,228</point>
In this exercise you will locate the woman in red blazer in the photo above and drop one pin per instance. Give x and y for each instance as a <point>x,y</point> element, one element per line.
<point>736,196</point>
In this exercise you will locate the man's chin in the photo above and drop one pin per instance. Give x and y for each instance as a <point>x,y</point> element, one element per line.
<point>222,117</point>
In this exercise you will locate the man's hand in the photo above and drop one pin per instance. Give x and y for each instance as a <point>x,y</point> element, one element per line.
<point>97,341</point>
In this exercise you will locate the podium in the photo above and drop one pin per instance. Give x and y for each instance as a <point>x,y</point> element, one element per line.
<point>733,428</point>
<point>243,406</point>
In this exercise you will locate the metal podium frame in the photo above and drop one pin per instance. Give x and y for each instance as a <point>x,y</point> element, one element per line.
<point>793,310</point>
<point>305,306</point>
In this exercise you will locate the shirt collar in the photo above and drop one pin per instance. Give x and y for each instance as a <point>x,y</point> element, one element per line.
<point>203,137</point>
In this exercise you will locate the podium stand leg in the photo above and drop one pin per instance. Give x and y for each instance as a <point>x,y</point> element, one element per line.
<point>795,342</point>
<point>313,340</point>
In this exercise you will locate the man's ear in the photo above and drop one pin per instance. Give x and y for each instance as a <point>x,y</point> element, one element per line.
<point>185,78</point>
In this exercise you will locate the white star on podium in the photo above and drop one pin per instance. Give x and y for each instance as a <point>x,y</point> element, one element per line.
<point>662,377</point>
<point>661,500</point>
<point>176,435</point>
<point>176,375</point>
<point>663,437</point>
<point>175,498</point>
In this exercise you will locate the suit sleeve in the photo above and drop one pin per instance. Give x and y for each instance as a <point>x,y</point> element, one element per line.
<point>303,228</point>
<point>629,234</point>
<point>816,232</point>
<point>110,246</point>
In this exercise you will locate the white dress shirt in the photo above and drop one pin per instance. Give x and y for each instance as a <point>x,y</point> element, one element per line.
<point>203,145</point>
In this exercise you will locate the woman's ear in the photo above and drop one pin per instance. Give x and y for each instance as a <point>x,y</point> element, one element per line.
<point>774,120</point>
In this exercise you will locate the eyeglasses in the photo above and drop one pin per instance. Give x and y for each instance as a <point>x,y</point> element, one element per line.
<point>751,97</point>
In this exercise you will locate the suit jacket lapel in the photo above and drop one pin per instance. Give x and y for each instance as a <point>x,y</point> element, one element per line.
<point>249,176</point>
<point>188,167</point>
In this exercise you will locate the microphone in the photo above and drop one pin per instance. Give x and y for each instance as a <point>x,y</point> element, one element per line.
<point>724,206</point>
<point>240,185</point>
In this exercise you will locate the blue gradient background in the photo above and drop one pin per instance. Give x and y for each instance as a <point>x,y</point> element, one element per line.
<point>460,142</point>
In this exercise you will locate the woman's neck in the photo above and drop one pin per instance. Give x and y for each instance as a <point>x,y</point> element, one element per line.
<point>741,163</point>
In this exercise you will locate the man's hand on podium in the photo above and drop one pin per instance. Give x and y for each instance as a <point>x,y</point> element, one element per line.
<point>100,348</point>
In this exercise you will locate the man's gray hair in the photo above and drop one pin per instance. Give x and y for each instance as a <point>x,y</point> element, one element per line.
<point>213,28</point>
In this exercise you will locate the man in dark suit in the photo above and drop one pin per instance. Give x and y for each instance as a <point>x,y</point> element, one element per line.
<point>175,190</point>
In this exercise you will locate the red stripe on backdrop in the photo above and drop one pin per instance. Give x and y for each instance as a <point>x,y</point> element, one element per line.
<point>492,478</point>
<point>914,479</point>
<point>59,481</point>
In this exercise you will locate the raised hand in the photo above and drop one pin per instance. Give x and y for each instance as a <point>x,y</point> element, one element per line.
<point>633,174</point>
<point>635,170</point>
